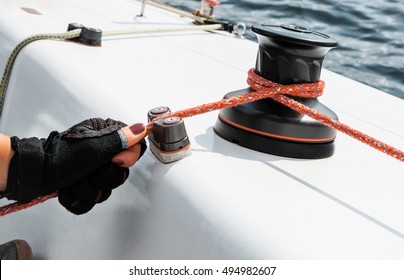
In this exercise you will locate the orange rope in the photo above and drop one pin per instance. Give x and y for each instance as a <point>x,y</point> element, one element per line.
<point>268,89</point>
<point>260,84</point>
<point>263,89</point>
<point>14,207</point>
<point>308,90</point>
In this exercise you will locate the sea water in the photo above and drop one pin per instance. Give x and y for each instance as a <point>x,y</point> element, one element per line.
<point>370,33</point>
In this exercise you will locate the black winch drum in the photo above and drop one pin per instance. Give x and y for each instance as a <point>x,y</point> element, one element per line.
<point>287,54</point>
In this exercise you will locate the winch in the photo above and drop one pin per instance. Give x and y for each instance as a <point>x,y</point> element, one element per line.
<point>287,54</point>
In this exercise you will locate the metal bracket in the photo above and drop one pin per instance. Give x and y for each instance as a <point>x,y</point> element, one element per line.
<point>142,8</point>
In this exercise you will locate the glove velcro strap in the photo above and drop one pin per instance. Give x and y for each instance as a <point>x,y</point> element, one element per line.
<point>25,171</point>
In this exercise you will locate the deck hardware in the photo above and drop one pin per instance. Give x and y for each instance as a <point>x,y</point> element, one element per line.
<point>142,8</point>
<point>238,29</point>
<point>168,138</point>
<point>206,8</point>
<point>235,28</point>
<point>157,112</point>
<point>88,36</point>
<point>287,54</point>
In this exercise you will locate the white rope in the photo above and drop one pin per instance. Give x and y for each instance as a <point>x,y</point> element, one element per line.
<point>161,30</point>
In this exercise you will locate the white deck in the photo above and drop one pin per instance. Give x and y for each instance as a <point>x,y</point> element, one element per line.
<point>222,202</point>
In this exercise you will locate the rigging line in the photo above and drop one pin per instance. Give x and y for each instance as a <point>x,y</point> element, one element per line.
<point>161,30</point>
<point>10,62</point>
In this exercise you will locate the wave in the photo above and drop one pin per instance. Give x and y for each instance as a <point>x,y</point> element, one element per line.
<point>369,33</point>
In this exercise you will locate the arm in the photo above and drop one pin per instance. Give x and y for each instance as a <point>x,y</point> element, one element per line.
<point>6,153</point>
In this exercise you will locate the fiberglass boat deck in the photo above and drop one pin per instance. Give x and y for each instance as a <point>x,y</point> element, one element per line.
<point>222,202</point>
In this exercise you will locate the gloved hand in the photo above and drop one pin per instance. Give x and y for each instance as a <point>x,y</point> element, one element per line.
<point>76,162</point>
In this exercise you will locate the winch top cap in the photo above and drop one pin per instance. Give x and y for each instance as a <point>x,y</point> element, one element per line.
<point>293,33</point>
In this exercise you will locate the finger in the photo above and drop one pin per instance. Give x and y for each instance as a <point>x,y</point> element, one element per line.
<point>128,157</point>
<point>109,176</point>
<point>72,203</point>
<point>80,197</point>
<point>110,122</point>
<point>86,191</point>
<point>134,134</point>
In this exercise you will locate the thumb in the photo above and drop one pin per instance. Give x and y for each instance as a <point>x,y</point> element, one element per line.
<point>134,134</point>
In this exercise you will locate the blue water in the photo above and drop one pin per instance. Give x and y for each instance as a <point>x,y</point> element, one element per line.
<point>370,33</point>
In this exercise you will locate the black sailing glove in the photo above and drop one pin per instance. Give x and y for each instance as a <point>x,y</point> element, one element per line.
<point>76,162</point>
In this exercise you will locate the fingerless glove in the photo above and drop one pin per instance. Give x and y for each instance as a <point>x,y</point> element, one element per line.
<point>76,162</point>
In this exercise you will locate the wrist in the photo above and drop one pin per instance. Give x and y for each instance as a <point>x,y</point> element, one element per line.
<point>6,153</point>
